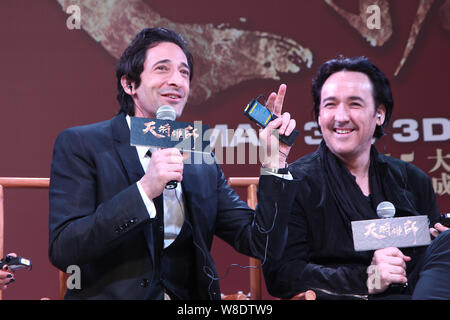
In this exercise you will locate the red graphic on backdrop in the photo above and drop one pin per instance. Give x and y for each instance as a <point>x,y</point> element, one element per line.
<point>217,49</point>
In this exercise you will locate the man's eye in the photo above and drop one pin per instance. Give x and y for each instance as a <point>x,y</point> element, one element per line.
<point>163,68</point>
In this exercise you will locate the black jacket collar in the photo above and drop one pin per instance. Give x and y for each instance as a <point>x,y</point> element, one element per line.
<point>127,153</point>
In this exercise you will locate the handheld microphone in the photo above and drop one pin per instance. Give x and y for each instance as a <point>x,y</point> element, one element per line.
<point>385,210</point>
<point>167,113</point>
<point>390,231</point>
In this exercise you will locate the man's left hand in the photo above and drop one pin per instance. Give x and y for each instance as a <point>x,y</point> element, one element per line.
<point>276,152</point>
<point>438,228</point>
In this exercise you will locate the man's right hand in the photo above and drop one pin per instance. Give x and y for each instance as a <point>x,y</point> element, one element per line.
<point>165,165</point>
<point>6,275</point>
<point>391,264</point>
<point>275,152</point>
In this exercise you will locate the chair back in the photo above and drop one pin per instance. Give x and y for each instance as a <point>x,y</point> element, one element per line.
<point>26,183</point>
<point>251,183</point>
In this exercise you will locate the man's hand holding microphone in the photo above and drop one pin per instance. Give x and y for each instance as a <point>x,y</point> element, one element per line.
<point>391,264</point>
<point>165,165</point>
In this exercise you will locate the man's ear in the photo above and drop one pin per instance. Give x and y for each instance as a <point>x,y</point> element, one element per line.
<point>381,114</point>
<point>127,85</point>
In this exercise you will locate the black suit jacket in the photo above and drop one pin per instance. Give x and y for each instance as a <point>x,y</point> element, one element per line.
<point>99,222</point>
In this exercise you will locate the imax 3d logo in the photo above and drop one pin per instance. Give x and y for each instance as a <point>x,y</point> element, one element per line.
<point>74,280</point>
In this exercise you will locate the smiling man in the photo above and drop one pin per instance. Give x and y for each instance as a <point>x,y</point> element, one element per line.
<point>348,118</point>
<point>344,181</point>
<point>165,80</point>
<point>111,215</point>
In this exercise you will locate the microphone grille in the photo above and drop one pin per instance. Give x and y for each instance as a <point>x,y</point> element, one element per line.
<point>385,209</point>
<point>166,113</point>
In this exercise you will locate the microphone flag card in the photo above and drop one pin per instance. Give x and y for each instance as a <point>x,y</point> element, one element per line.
<point>186,136</point>
<point>400,232</point>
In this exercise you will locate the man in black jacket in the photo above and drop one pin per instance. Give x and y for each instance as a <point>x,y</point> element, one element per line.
<point>344,181</point>
<point>111,215</point>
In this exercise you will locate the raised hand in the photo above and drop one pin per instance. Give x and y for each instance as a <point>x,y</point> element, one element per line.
<point>276,151</point>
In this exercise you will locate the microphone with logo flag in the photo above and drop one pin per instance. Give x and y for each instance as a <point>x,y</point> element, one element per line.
<point>167,113</point>
<point>165,132</point>
<point>402,232</point>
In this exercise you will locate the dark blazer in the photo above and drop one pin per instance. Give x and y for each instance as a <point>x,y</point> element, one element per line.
<point>332,268</point>
<point>99,222</point>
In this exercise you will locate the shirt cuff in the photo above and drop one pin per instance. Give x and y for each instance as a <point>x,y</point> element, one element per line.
<point>151,209</point>
<point>287,176</point>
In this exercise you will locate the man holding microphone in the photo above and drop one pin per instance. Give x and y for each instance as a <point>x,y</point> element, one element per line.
<point>111,215</point>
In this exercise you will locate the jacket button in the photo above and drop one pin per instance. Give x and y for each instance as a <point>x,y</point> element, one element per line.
<point>145,283</point>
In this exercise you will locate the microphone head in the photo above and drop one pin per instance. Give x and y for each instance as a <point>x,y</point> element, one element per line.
<point>166,113</point>
<point>385,209</point>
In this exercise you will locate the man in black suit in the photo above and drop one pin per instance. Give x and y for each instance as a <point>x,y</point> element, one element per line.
<point>111,215</point>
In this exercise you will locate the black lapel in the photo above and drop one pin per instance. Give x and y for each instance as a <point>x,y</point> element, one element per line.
<point>128,154</point>
<point>187,185</point>
<point>158,227</point>
<point>191,180</point>
<point>131,164</point>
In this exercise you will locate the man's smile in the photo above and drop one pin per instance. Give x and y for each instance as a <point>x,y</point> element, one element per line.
<point>342,131</point>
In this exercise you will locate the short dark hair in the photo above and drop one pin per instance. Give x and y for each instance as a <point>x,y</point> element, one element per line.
<point>382,94</point>
<point>131,63</point>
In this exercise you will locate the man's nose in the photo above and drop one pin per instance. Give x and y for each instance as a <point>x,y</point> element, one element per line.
<point>175,78</point>
<point>342,113</point>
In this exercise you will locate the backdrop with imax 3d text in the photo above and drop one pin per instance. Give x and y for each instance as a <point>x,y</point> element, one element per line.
<point>58,70</point>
